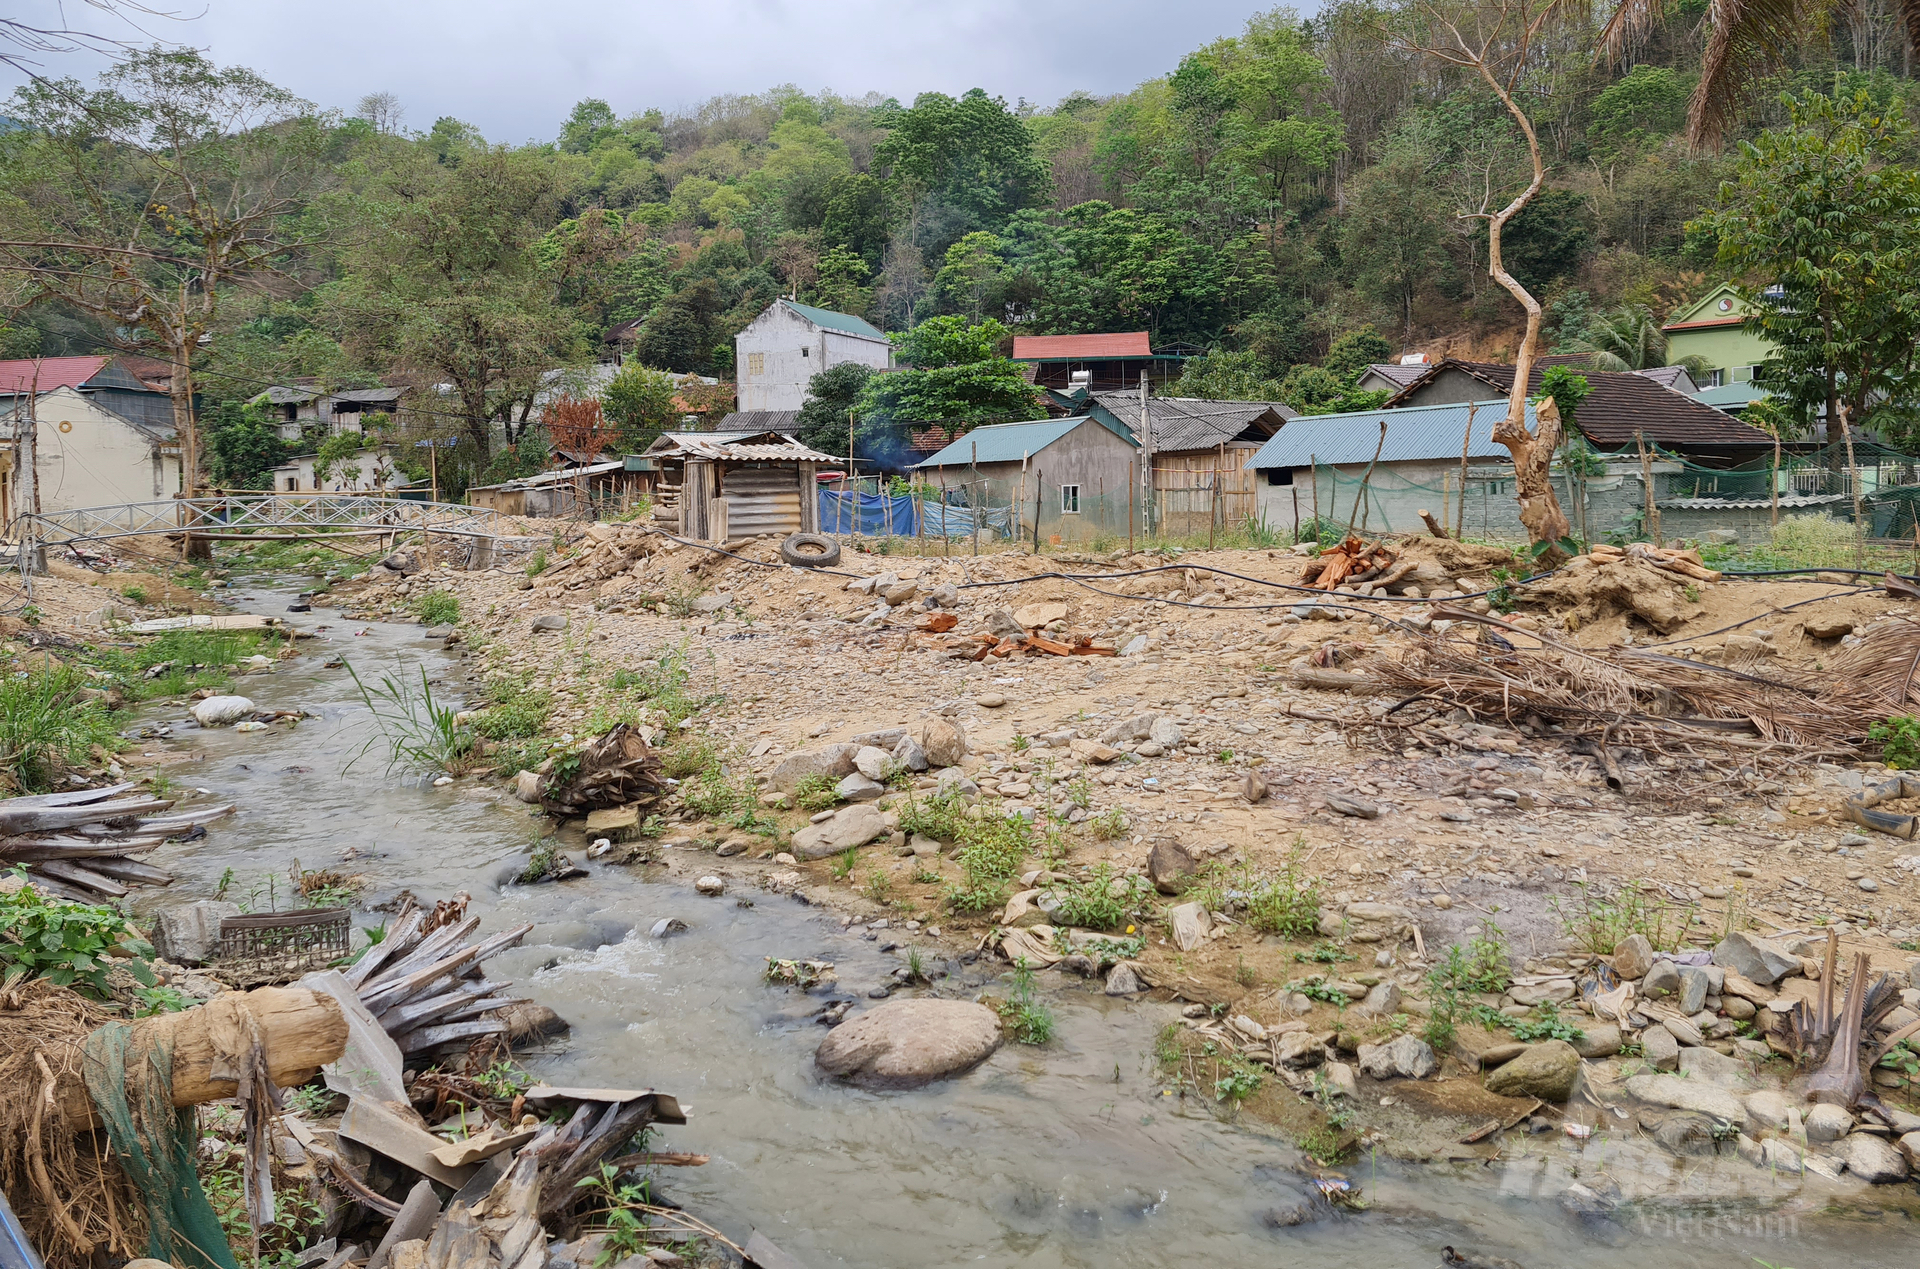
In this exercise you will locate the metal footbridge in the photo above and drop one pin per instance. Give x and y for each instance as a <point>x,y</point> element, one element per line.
<point>258,518</point>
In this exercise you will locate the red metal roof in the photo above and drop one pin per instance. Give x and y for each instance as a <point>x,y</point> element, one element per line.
<point>1076,347</point>
<point>54,372</point>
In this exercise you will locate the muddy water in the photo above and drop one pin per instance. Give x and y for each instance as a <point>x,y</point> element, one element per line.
<point>1065,1156</point>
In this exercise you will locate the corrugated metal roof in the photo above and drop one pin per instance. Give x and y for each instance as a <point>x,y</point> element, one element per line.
<point>1414,434</point>
<point>564,474</point>
<point>1732,396</point>
<point>846,323</point>
<point>1722,504</point>
<point>748,421</point>
<point>1073,347</point>
<point>1006,442</point>
<point>1394,372</point>
<point>736,446</point>
<point>1190,423</point>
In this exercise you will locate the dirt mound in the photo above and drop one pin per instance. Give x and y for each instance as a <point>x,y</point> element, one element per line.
<point>1583,596</point>
<point>1456,557</point>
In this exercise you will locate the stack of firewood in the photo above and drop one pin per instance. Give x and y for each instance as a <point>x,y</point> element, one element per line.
<point>79,845</point>
<point>1685,563</point>
<point>1352,562</point>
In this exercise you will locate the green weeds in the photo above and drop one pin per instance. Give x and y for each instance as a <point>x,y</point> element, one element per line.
<point>1283,901</point>
<point>437,608</point>
<point>1598,922</point>
<point>68,944</point>
<point>1103,901</point>
<point>1547,1024</point>
<point>815,793</point>
<point>421,732</point>
<point>47,726</point>
<point>1026,1019</point>
<point>1899,740</point>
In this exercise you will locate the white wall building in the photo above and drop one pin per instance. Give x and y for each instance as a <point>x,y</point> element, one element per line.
<point>790,343</point>
<point>90,456</point>
<point>359,472</point>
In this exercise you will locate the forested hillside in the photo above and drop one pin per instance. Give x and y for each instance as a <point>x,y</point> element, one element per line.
<point>1271,192</point>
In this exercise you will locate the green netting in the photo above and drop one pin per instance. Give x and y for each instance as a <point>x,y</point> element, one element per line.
<point>154,1143</point>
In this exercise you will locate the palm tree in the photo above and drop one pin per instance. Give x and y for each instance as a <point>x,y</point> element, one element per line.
<point>1747,38</point>
<point>1630,338</point>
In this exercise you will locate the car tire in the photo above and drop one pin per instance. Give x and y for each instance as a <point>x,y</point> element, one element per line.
<point>810,550</point>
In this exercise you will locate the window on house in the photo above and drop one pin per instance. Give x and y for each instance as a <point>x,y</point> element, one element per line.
<point>1716,378</point>
<point>1069,500</point>
<point>756,363</point>
<point>803,352</point>
<point>1279,475</point>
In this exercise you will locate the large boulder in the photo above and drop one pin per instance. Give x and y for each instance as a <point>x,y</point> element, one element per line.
<point>222,711</point>
<point>1684,1094</point>
<point>1598,1040</point>
<point>1757,960</point>
<point>1169,866</point>
<point>190,933</point>
<point>1873,1160</point>
<point>873,763</point>
<point>944,742</point>
<point>907,1043</point>
<point>1546,1071</point>
<point>831,761</point>
<point>850,826</point>
<point>1403,1057</point>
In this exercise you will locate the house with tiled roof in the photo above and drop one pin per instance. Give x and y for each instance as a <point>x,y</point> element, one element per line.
<point>1096,362</point>
<point>789,343</point>
<point>102,432</point>
<point>1623,407</point>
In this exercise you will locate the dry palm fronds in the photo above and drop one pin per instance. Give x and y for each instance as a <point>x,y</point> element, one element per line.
<point>69,1192</point>
<point>1646,699</point>
<point>1885,663</point>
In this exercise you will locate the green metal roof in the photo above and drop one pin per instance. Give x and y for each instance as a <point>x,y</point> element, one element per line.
<point>835,321</point>
<point>1011,442</point>
<point>1737,395</point>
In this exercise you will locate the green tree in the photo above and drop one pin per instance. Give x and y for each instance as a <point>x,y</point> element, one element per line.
<point>1826,210</point>
<point>1227,376</point>
<point>243,447</point>
<point>1392,232</point>
<point>973,280</point>
<point>683,331</point>
<point>444,276</point>
<point>838,285</point>
<point>955,373</point>
<point>831,395</point>
<point>639,403</point>
<point>857,217</point>
<point>1646,105</point>
<point>1349,356</point>
<point>971,157</point>
<point>144,202</point>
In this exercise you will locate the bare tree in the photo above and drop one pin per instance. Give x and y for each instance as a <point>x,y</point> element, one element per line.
<point>141,202</point>
<point>23,44</point>
<point>383,111</point>
<point>1497,41</point>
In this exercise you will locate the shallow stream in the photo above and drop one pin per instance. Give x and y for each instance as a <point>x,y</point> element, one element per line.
<point>1069,1155</point>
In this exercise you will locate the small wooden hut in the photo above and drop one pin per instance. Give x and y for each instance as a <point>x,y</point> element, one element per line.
<point>726,486</point>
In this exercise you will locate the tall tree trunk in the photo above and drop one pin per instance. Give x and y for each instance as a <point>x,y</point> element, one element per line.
<point>1532,452</point>
<point>180,394</point>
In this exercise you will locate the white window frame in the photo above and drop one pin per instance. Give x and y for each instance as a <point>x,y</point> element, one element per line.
<point>1069,500</point>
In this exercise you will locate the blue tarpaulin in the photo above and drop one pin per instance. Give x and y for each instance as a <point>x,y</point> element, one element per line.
<point>880,515</point>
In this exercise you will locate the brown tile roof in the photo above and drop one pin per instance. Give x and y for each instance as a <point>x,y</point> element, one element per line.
<point>1621,405</point>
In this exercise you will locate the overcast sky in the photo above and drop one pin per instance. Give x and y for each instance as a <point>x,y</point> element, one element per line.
<point>515,67</point>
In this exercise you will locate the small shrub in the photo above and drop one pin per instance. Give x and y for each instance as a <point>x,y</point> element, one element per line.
<point>1598,922</point>
<point>1241,1081</point>
<point>1284,901</point>
<point>137,594</point>
<point>1094,904</point>
<point>537,564</point>
<point>991,850</point>
<point>1323,991</point>
<point>843,866</point>
<point>1899,740</point>
<point>815,793</point>
<point>1029,1021</point>
<point>521,718</point>
<point>1109,825</point>
<point>1547,1024</point>
<point>437,608</point>
<point>68,944</point>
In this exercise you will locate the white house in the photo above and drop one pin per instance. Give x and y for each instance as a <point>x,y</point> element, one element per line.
<point>358,472</point>
<point>89,456</point>
<point>791,343</point>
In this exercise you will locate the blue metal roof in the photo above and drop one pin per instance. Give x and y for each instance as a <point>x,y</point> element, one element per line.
<point>835,321</point>
<point>1011,442</point>
<point>1414,433</point>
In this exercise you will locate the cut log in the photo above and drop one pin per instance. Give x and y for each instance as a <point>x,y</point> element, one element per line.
<point>16,819</point>
<point>131,870</point>
<point>74,874</point>
<point>301,1032</point>
<point>1433,525</point>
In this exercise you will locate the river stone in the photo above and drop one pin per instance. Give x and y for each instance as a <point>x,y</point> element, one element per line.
<point>1662,980</point>
<point>1546,1071</point>
<point>529,1022</point>
<point>850,826</point>
<point>221,711</point>
<point>877,764</point>
<point>1297,1050</point>
<point>1633,957</point>
<point>1713,1067</point>
<point>711,885</point>
<point>190,933</point>
<point>1557,990</point>
<point>830,761</point>
<point>1828,1123</point>
<point>1659,1049</point>
<point>1910,1147</point>
<point>857,788</point>
<point>1166,733</point>
<point>1768,1110</point>
<point>1683,1094</point>
<point>1403,1057</point>
<point>1169,866</point>
<point>1190,925</point>
<point>907,1043</point>
<point>911,754</point>
<point>1873,1160</point>
<point>1694,982</point>
<point>1758,960</point>
<point>526,786</point>
<point>1122,981</point>
<point>1381,1001</point>
<point>1499,1054</point>
<point>549,621</point>
<point>1598,1040</point>
<point>944,741</point>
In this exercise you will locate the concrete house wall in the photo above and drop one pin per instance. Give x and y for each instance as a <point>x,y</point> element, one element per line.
<point>91,457</point>
<point>780,350</point>
<point>1089,456</point>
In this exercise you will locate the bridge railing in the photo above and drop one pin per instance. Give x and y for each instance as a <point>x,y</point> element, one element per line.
<point>264,512</point>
